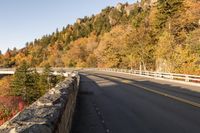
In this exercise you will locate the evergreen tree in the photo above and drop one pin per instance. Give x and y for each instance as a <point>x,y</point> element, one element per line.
<point>166,10</point>
<point>45,79</point>
<point>24,83</point>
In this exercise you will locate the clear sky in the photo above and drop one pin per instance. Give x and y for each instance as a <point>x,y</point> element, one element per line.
<point>22,21</point>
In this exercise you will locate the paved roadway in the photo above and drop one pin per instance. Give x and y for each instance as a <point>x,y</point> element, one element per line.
<point>120,103</point>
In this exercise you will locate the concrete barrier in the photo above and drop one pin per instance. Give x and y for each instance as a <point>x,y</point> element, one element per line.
<point>52,113</point>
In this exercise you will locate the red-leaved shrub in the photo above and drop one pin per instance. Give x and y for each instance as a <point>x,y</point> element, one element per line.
<point>10,106</point>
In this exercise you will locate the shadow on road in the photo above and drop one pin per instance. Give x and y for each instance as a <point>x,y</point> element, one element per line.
<point>110,103</point>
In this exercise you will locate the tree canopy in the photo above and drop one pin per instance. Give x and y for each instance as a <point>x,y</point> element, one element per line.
<point>163,37</point>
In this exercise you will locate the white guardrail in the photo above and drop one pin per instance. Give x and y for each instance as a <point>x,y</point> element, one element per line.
<point>162,75</point>
<point>55,71</point>
<point>7,71</point>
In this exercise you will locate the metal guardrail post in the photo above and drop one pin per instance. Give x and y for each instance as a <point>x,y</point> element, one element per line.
<point>160,75</point>
<point>187,78</point>
<point>147,73</point>
<point>171,76</point>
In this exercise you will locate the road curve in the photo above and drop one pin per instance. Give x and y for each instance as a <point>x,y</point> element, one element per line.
<point>120,103</point>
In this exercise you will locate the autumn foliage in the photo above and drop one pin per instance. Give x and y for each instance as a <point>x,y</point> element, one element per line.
<point>10,106</point>
<point>163,36</point>
<point>5,89</point>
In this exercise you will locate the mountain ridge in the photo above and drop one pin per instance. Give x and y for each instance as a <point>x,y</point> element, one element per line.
<point>151,34</point>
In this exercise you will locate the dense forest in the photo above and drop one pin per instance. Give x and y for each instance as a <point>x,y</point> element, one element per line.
<point>161,35</point>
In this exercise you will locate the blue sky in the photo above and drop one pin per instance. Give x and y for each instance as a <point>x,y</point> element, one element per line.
<point>22,21</point>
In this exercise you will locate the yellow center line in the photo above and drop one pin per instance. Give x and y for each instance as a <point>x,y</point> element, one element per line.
<point>125,81</point>
<point>168,95</point>
<point>160,93</point>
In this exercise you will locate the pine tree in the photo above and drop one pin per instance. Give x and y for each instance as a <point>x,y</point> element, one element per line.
<point>45,80</point>
<point>24,83</point>
<point>166,10</point>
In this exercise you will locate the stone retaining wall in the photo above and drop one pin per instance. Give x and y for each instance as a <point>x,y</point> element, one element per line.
<point>52,113</point>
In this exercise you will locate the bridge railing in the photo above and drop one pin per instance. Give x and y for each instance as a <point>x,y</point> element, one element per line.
<point>161,75</point>
<point>7,71</point>
<point>55,71</point>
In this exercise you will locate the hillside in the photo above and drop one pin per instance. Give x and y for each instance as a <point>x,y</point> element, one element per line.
<point>153,34</point>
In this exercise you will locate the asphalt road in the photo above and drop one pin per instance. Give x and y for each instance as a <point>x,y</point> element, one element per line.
<point>120,103</point>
